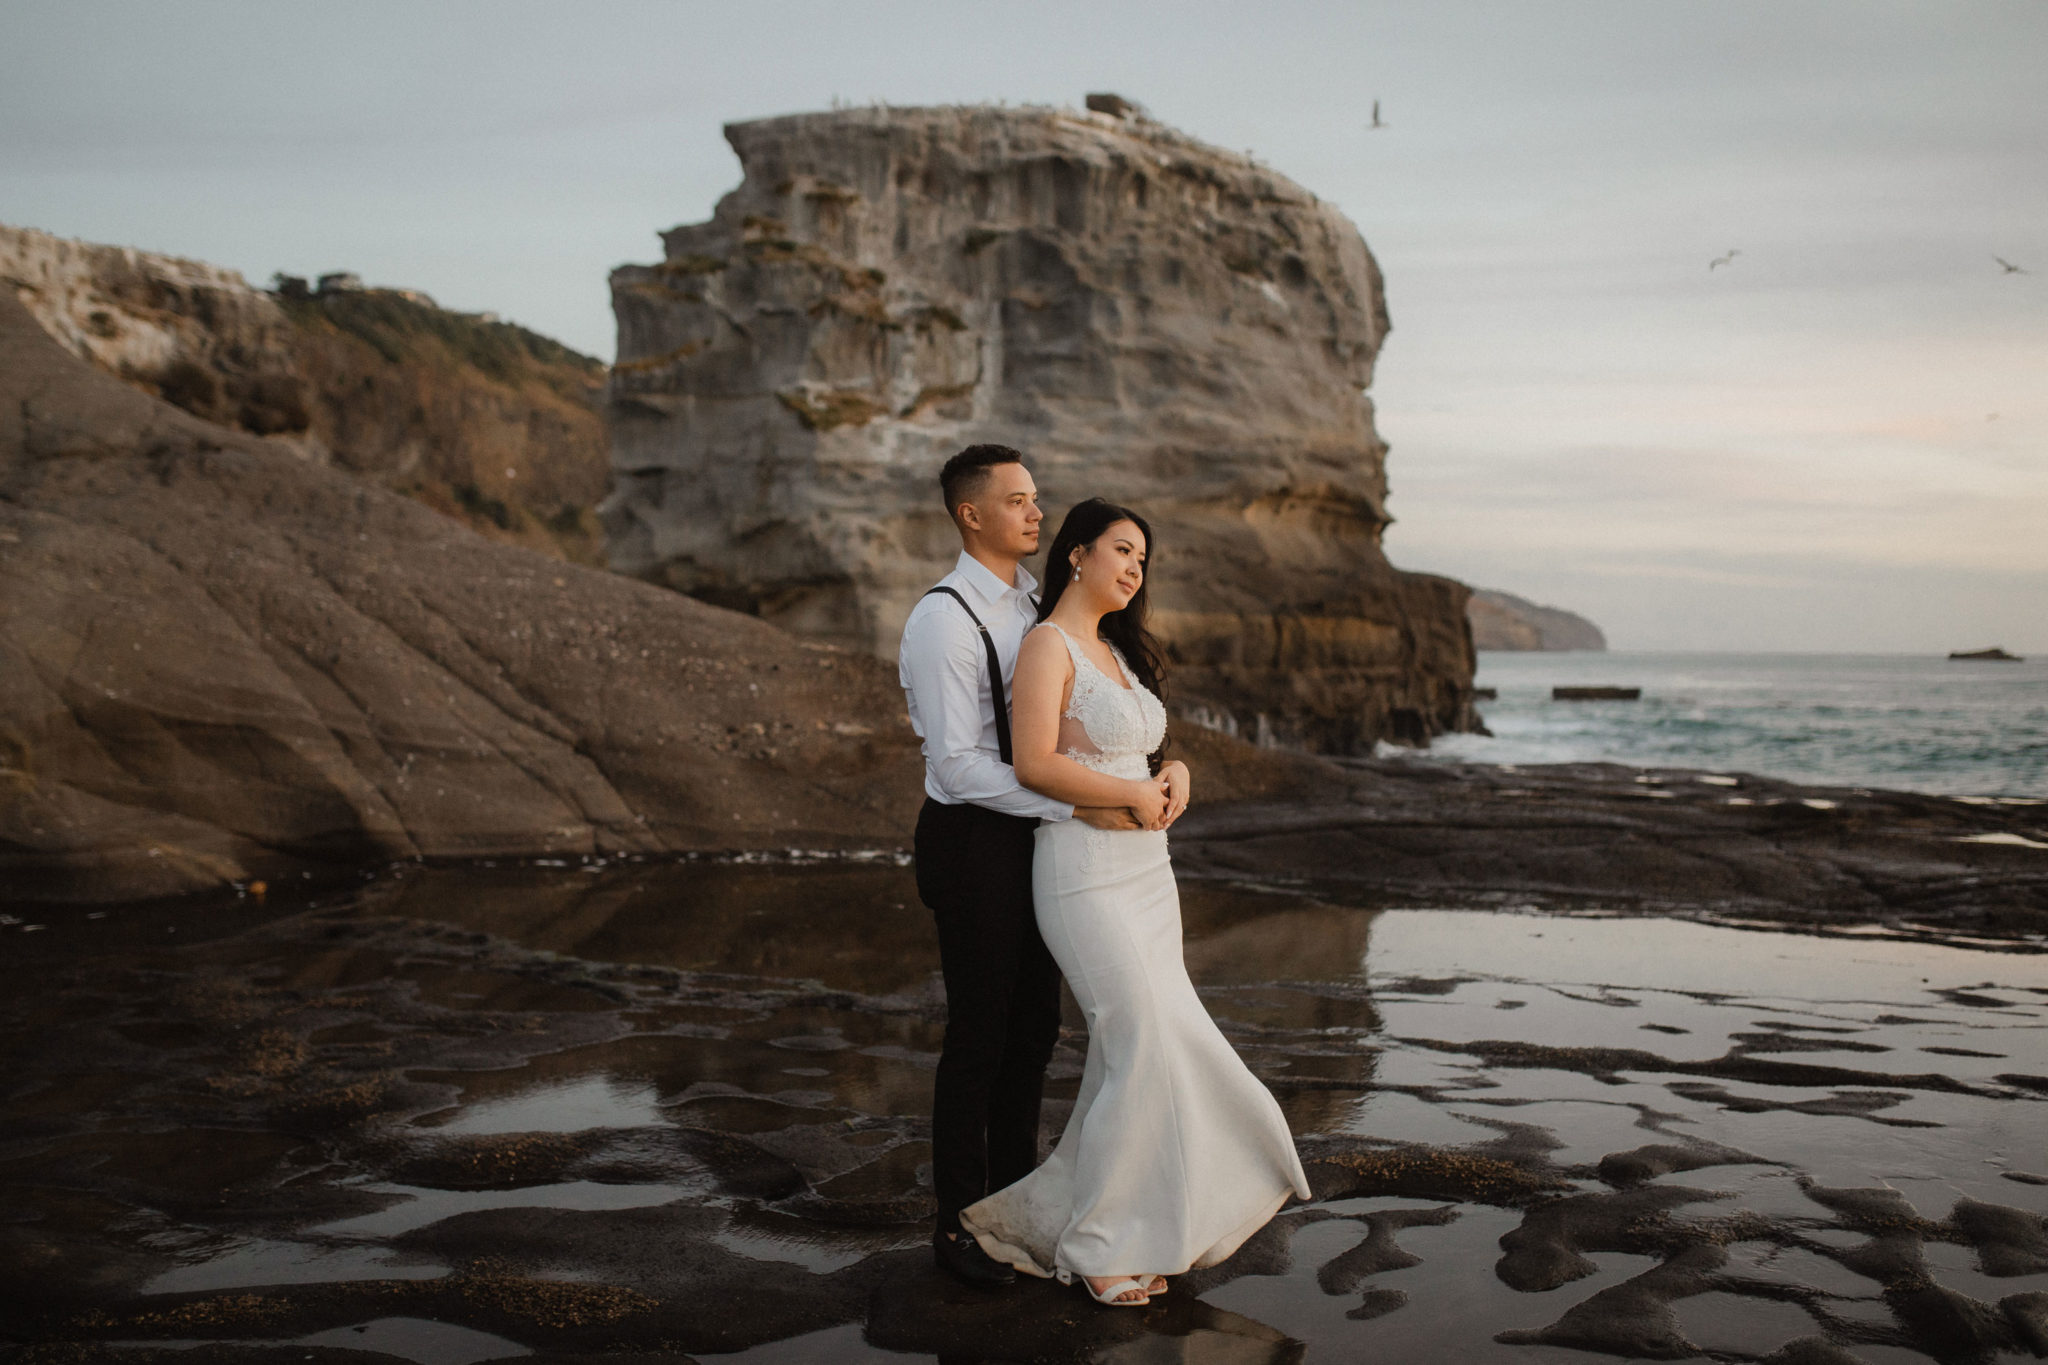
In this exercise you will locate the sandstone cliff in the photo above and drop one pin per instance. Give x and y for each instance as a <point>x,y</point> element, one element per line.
<point>482,420</point>
<point>1150,319</point>
<point>220,661</point>
<point>1501,620</point>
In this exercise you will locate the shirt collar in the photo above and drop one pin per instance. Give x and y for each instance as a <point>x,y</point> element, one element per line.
<point>982,579</point>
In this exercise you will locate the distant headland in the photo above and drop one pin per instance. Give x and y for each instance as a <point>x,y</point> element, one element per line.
<point>1501,620</point>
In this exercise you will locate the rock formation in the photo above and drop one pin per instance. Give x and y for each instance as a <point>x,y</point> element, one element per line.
<point>1501,620</point>
<point>221,660</point>
<point>480,419</point>
<point>1148,318</point>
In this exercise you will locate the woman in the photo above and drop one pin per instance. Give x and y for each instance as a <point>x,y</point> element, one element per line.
<point>1174,1153</point>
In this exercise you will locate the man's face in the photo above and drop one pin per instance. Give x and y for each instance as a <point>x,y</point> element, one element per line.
<point>1004,514</point>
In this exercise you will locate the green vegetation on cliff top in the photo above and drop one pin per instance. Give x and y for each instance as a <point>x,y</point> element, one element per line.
<point>394,326</point>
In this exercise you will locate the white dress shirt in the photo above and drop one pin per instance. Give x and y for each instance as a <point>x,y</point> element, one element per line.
<point>944,670</point>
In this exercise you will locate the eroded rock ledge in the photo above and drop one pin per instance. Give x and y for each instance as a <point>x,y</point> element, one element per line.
<point>220,660</point>
<point>1151,319</point>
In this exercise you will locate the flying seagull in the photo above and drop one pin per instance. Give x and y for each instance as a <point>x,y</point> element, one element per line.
<point>1729,259</point>
<point>1376,124</point>
<point>2010,268</point>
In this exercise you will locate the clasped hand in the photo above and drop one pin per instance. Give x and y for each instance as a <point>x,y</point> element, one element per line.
<point>1156,802</point>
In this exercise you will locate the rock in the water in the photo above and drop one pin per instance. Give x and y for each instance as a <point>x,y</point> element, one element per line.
<point>1814,1350</point>
<point>1150,319</point>
<point>1501,620</point>
<point>220,660</point>
<point>482,420</point>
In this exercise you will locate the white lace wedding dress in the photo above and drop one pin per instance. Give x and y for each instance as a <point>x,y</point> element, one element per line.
<point>1175,1152</point>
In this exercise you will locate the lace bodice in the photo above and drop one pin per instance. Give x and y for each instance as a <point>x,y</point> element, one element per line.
<point>1106,726</point>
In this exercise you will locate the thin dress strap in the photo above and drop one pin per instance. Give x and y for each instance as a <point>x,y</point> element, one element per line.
<point>1078,685</point>
<point>1081,657</point>
<point>1073,645</point>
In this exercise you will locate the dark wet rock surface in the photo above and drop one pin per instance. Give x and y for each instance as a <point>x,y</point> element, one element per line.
<point>672,1111</point>
<point>1673,841</point>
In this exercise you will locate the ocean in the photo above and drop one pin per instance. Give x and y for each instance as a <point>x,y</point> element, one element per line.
<point>1911,723</point>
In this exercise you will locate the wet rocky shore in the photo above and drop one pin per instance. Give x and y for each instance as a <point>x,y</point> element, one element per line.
<point>1626,838</point>
<point>1561,1091</point>
<point>417,947</point>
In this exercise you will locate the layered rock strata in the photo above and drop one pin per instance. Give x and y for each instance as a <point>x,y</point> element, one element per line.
<point>482,420</point>
<point>1501,620</point>
<point>1152,320</point>
<point>221,661</point>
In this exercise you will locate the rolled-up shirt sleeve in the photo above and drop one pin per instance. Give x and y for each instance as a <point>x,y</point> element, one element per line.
<point>942,664</point>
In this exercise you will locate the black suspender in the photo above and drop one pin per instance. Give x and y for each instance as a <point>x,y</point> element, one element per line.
<point>995,673</point>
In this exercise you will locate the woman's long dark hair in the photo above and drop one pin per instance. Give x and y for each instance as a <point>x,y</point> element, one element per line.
<point>1124,628</point>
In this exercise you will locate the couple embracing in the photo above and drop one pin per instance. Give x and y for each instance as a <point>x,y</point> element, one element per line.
<point>1041,850</point>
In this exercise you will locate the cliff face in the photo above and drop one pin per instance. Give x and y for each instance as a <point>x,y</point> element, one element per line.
<point>484,421</point>
<point>1149,319</point>
<point>1501,620</point>
<point>220,661</point>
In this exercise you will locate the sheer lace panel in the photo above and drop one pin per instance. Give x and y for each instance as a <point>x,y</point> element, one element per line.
<point>1108,726</point>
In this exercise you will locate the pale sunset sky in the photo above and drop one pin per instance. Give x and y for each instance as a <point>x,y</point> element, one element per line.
<point>1836,442</point>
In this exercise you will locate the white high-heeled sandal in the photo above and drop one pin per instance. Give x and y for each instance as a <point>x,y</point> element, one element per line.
<point>1067,1276</point>
<point>1111,1292</point>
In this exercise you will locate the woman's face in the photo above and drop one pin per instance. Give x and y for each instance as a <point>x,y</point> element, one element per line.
<point>1112,568</point>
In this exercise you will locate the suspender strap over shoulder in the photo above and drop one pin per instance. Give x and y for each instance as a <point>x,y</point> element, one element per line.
<point>995,673</point>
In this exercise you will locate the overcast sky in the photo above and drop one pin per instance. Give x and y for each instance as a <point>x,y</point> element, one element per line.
<point>1837,442</point>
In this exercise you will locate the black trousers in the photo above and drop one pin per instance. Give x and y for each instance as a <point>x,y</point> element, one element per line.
<point>1002,1001</point>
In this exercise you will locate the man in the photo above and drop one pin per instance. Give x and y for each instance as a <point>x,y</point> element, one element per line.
<point>973,848</point>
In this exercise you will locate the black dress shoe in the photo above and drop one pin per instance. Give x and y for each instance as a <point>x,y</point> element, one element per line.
<point>963,1259</point>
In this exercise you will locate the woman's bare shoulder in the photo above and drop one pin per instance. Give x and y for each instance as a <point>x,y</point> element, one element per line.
<point>1042,647</point>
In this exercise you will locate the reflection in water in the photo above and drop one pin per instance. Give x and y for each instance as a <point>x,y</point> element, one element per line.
<point>413,1207</point>
<point>563,1072</point>
<point>418,1339</point>
<point>264,1260</point>
<point>601,1100</point>
<point>856,927</point>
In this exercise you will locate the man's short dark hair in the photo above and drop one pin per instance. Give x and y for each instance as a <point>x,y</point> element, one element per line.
<point>965,474</point>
